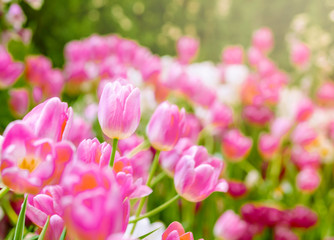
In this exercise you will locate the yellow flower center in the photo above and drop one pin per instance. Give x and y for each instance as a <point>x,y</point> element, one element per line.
<point>29,163</point>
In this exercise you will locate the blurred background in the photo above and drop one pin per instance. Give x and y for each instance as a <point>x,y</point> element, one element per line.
<point>158,24</point>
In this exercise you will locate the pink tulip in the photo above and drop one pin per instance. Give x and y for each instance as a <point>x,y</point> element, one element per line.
<point>187,48</point>
<point>119,110</point>
<point>129,187</point>
<point>268,145</point>
<point>221,116</point>
<point>236,189</point>
<point>303,134</point>
<point>19,101</point>
<point>263,39</point>
<point>258,115</point>
<point>169,159</point>
<point>254,56</point>
<point>304,159</point>
<point>191,128</point>
<point>325,94</point>
<point>308,180</point>
<point>50,119</point>
<point>230,226</point>
<point>301,217</point>
<point>15,16</point>
<point>29,163</point>
<point>9,70</point>
<point>280,127</point>
<point>92,151</point>
<point>300,54</point>
<point>175,231</point>
<point>80,130</point>
<point>236,146</point>
<point>141,161</point>
<point>284,233</point>
<point>197,175</point>
<point>92,204</point>
<point>47,203</point>
<point>165,126</point>
<point>233,55</point>
<point>305,110</point>
<point>263,215</point>
<point>37,68</point>
<point>266,68</point>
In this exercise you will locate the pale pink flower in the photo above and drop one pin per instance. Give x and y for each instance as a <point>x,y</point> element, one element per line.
<point>187,48</point>
<point>165,126</point>
<point>191,128</point>
<point>305,109</point>
<point>15,16</point>
<point>280,127</point>
<point>257,114</point>
<point>221,116</point>
<point>308,179</point>
<point>230,226</point>
<point>300,54</point>
<point>303,134</point>
<point>119,110</point>
<point>80,130</point>
<point>268,145</point>
<point>325,94</point>
<point>263,39</point>
<point>197,175</point>
<point>35,4</point>
<point>233,55</point>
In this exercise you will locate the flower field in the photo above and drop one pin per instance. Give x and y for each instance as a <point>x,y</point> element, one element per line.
<point>121,143</point>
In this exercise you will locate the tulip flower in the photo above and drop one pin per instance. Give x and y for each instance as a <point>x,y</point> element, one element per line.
<point>280,127</point>
<point>258,115</point>
<point>325,94</point>
<point>233,55</point>
<point>235,145</point>
<point>80,130</point>
<point>236,189</point>
<point>221,116</point>
<point>19,101</point>
<point>263,39</point>
<point>308,180</point>
<point>300,54</point>
<point>268,145</point>
<point>301,217</point>
<point>29,163</point>
<point>51,119</point>
<point>169,159</point>
<point>47,203</point>
<point>305,110</point>
<point>197,175</point>
<point>165,126</point>
<point>119,110</point>
<point>187,48</point>
<point>9,70</point>
<point>303,134</point>
<point>284,233</point>
<point>175,231</point>
<point>230,226</point>
<point>15,16</point>
<point>92,204</point>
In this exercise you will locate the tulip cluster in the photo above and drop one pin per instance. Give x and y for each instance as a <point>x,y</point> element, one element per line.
<point>235,150</point>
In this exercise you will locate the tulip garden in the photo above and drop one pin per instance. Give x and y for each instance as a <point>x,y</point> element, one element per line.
<point>121,143</point>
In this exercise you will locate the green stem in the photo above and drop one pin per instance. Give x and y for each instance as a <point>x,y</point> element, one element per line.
<point>148,183</point>
<point>156,210</point>
<point>3,191</point>
<point>9,211</point>
<point>158,178</point>
<point>113,153</point>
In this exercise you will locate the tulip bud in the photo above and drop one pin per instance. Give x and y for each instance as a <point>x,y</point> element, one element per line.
<point>119,110</point>
<point>19,101</point>
<point>305,110</point>
<point>165,126</point>
<point>235,145</point>
<point>263,39</point>
<point>233,55</point>
<point>230,226</point>
<point>175,231</point>
<point>268,145</point>
<point>301,217</point>
<point>236,189</point>
<point>15,16</point>
<point>187,48</point>
<point>300,54</point>
<point>308,180</point>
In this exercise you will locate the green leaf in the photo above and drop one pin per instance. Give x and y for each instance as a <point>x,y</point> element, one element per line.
<point>41,236</point>
<point>63,235</point>
<point>147,234</point>
<point>21,221</point>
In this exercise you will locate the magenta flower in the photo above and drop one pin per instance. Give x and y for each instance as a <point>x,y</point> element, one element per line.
<point>230,226</point>
<point>50,119</point>
<point>47,203</point>
<point>236,146</point>
<point>301,217</point>
<point>197,175</point>
<point>19,101</point>
<point>233,55</point>
<point>92,204</point>
<point>29,163</point>
<point>236,189</point>
<point>187,48</point>
<point>119,110</point>
<point>165,126</point>
<point>263,39</point>
<point>257,114</point>
<point>9,70</point>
